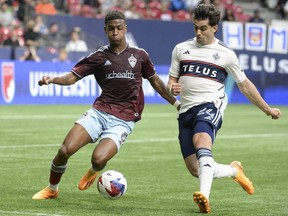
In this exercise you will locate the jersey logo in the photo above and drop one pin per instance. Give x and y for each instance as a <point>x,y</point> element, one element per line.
<point>186,52</point>
<point>207,112</point>
<point>216,57</point>
<point>107,63</point>
<point>203,69</point>
<point>132,61</point>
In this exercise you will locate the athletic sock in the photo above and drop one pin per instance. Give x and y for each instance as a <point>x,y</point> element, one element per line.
<point>53,187</point>
<point>206,170</point>
<point>221,170</point>
<point>56,173</point>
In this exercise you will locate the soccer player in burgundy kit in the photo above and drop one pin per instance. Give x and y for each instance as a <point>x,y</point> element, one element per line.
<point>198,71</point>
<point>118,68</point>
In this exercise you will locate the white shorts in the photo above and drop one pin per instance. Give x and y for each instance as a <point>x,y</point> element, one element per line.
<point>100,125</point>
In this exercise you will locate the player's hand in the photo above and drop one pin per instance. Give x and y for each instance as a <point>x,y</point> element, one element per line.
<point>45,80</point>
<point>175,88</point>
<point>275,113</point>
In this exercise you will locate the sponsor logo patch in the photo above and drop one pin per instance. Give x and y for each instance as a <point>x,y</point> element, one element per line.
<point>7,81</point>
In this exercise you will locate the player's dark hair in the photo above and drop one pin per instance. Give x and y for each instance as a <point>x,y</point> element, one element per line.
<point>207,11</point>
<point>112,15</point>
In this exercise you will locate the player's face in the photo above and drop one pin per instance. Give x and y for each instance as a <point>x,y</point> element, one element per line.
<point>204,32</point>
<point>116,31</point>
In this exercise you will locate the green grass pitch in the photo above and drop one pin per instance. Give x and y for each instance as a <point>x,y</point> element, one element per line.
<point>158,182</point>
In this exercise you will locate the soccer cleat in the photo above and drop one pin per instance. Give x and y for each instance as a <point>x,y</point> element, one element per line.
<point>202,202</point>
<point>87,180</point>
<point>240,177</point>
<point>46,193</point>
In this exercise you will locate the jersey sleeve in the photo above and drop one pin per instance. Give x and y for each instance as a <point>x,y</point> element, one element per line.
<point>83,68</point>
<point>234,69</point>
<point>174,67</point>
<point>148,69</point>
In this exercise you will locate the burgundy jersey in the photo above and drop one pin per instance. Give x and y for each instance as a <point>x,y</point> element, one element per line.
<point>120,78</point>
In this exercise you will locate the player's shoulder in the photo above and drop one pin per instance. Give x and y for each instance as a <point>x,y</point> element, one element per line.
<point>99,50</point>
<point>136,49</point>
<point>189,42</point>
<point>139,50</point>
<point>221,45</point>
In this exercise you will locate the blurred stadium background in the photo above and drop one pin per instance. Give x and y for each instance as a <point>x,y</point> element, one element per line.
<point>45,27</point>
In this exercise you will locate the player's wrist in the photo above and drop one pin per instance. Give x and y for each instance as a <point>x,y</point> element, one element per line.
<point>177,103</point>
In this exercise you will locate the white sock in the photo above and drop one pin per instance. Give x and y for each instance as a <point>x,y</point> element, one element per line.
<point>53,187</point>
<point>206,173</point>
<point>221,170</point>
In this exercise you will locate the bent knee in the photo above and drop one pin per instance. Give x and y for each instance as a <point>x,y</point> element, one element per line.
<point>99,160</point>
<point>64,152</point>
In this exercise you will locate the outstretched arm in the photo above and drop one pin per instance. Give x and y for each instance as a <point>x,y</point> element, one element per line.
<point>67,79</point>
<point>250,91</point>
<point>159,86</point>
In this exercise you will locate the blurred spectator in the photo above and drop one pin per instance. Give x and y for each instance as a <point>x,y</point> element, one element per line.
<point>87,11</point>
<point>6,15</point>
<point>285,8</point>
<point>106,5</point>
<point>45,7</point>
<point>281,8</point>
<point>228,15</point>
<point>76,44</point>
<point>192,4</point>
<point>166,14</point>
<point>129,10</point>
<point>54,38</point>
<point>13,41</point>
<point>5,33</point>
<point>256,17</point>
<point>177,5</point>
<point>239,14</point>
<point>18,30</point>
<point>154,9</point>
<point>25,10</point>
<point>60,5</point>
<point>31,37</point>
<point>62,57</point>
<point>30,54</point>
<point>40,26</point>
<point>219,4</point>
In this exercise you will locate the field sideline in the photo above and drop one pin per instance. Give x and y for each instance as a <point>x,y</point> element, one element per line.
<point>158,182</point>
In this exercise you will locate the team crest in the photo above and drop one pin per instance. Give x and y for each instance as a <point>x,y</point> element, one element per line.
<point>216,57</point>
<point>7,81</point>
<point>132,61</point>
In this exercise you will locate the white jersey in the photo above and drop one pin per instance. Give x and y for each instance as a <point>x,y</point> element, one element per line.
<point>202,71</point>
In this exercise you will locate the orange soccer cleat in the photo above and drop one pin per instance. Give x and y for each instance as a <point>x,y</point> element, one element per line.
<point>46,193</point>
<point>240,177</point>
<point>202,202</point>
<point>87,180</point>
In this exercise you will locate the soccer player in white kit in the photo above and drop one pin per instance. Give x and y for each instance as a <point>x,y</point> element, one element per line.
<point>199,68</point>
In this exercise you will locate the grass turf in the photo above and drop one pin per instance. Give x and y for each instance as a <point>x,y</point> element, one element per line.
<point>158,182</point>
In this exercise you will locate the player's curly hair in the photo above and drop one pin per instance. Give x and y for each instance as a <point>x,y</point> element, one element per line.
<point>112,15</point>
<point>207,11</point>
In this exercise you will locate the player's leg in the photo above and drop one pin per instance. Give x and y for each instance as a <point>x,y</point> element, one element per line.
<point>75,139</point>
<point>191,163</point>
<point>115,133</point>
<point>103,152</point>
